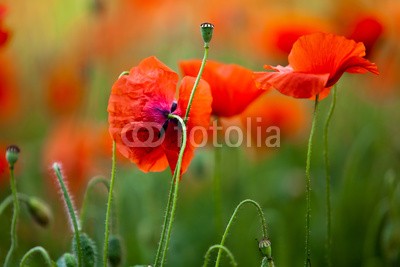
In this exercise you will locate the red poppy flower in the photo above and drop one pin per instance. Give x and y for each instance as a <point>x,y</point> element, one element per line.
<point>232,86</point>
<point>9,93</point>
<point>316,63</point>
<point>368,30</point>
<point>4,34</point>
<point>139,106</point>
<point>66,84</point>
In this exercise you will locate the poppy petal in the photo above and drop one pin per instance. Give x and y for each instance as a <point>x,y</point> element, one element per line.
<point>328,53</point>
<point>199,117</point>
<point>232,86</point>
<point>137,108</point>
<point>291,83</point>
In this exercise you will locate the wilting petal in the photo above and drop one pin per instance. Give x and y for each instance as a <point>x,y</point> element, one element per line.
<point>232,86</point>
<point>137,108</point>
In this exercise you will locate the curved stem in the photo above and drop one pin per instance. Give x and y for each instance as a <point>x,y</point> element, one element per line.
<point>40,250</point>
<point>308,185</point>
<point>110,195</point>
<point>328,181</point>
<point>14,221</point>
<point>92,183</point>
<point>177,177</point>
<point>224,236</point>
<point>196,83</point>
<point>71,211</point>
<point>227,251</point>
<point>8,200</point>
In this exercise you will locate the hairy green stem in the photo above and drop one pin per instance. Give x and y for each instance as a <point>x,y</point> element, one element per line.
<point>308,185</point>
<point>328,181</point>
<point>8,200</point>
<point>92,183</point>
<point>13,231</point>
<point>173,192</point>
<point>177,176</point>
<point>110,196</point>
<point>217,188</point>
<point>166,221</point>
<point>196,83</point>
<point>40,250</point>
<point>227,251</point>
<point>225,235</point>
<point>71,212</point>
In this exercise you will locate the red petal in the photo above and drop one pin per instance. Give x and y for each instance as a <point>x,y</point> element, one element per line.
<point>232,86</point>
<point>321,53</point>
<point>199,117</point>
<point>136,106</point>
<point>291,83</point>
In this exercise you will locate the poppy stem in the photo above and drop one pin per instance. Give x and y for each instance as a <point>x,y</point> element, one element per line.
<point>224,236</point>
<point>92,183</point>
<point>40,250</point>
<point>109,204</point>
<point>196,83</point>
<point>308,184</point>
<point>217,186</point>
<point>71,211</point>
<point>171,206</point>
<point>14,221</point>
<point>328,181</point>
<point>227,251</point>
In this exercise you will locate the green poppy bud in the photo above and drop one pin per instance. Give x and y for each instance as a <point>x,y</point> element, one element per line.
<point>114,250</point>
<point>207,31</point>
<point>39,211</point>
<point>12,155</point>
<point>67,260</point>
<point>89,250</point>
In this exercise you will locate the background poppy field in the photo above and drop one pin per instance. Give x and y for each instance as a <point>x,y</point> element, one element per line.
<point>59,59</point>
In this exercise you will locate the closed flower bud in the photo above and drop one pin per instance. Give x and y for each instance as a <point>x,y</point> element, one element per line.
<point>89,250</point>
<point>12,155</point>
<point>207,31</point>
<point>265,247</point>
<point>39,211</point>
<point>67,260</point>
<point>114,251</point>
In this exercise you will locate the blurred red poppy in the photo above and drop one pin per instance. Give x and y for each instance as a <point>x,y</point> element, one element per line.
<point>9,94</point>
<point>281,31</point>
<point>4,34</point>
<point>3,166</point>
<point>274,110</point>
<point>368,30</point>
<point>139,106</point>
<point>316,63</point>
<point>77,146</point>
<point>66,84</point>
<point>232,86</point>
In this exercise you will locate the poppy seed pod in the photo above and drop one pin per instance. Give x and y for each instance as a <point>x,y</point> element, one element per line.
<point>265,247</point>
<point>12,155</point>
<point>206,31</point>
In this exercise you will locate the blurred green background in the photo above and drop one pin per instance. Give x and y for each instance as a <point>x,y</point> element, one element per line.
<point>57,68</point>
